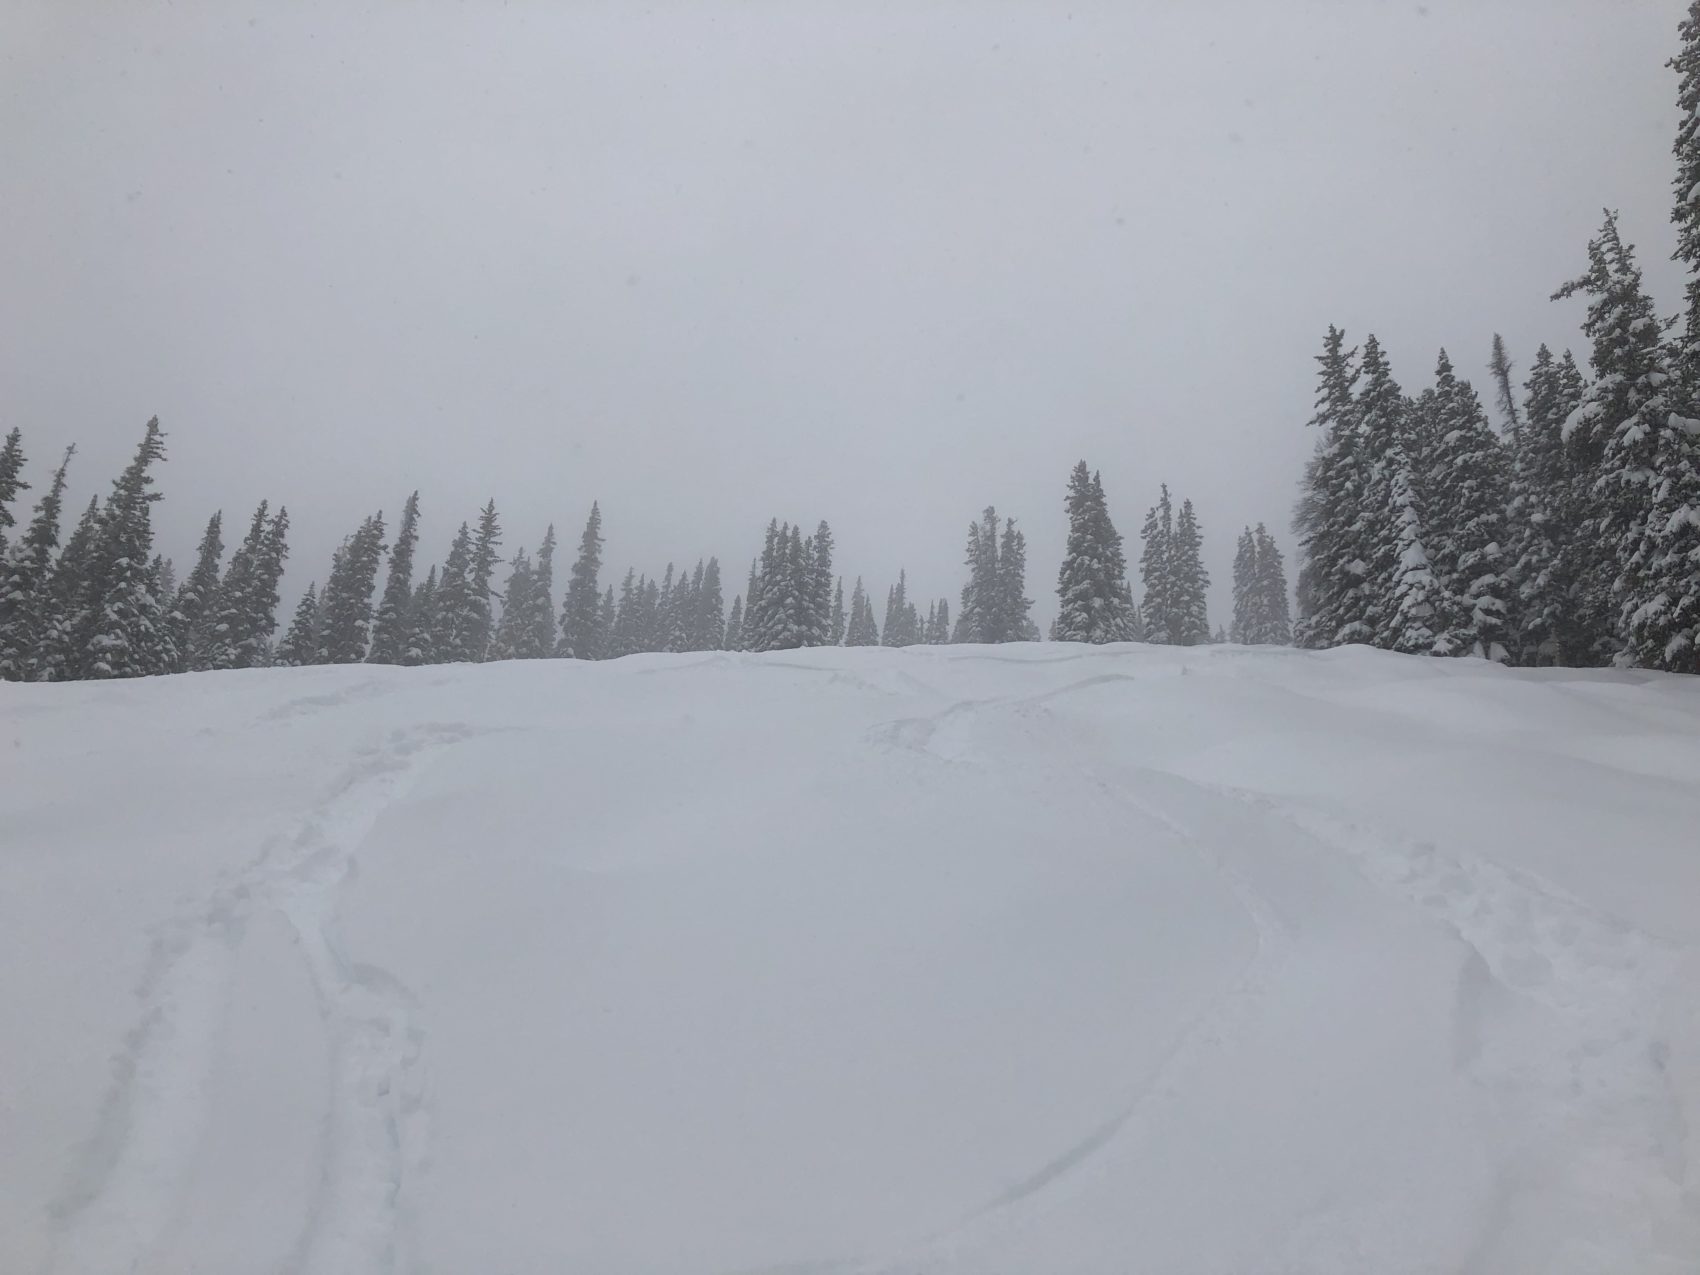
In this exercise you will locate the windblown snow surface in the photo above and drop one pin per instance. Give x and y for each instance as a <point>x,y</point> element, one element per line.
<point>1028,960</point>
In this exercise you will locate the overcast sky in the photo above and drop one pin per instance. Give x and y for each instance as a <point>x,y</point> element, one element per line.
<point>714,263</point>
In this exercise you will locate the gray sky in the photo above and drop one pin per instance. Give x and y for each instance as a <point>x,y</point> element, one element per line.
<point>708,264</point>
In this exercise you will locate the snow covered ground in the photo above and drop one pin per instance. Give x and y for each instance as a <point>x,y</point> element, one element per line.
<point>1023,959</point>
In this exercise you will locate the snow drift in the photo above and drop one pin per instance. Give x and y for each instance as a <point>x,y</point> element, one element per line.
<point>1020,959</point>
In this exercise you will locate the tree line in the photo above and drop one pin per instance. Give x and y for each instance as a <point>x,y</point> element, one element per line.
<point>1571,536</point>
<point>104,605</point>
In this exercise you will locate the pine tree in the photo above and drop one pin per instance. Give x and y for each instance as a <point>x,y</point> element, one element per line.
<point>422,625</point>
<point>1499,366</point>
<point>1685,186</point>
<point>235,630</point>
<point>197,593</point>
<point>605,617</point>
<point>25,569</point>
<point>1332,522</point>
<point>391,629</point>
<point>65,597</point>
<point>164,579</point>
<point>514,628</point>
<point>1094,601</point>
<point>122,631</point>
<point>541,641</point>
<point>480,577</point>
<point>1645,500</point>
<point>840,617</point>
<point>1543,517</point>
<point>1405,598</point>
<point>735,625</point>
<point>583,634</point>
<point>938,627</point>
<point>1247,599</point>
<point>1190,581</point>
<point>711,609</point>
<point>896,631</point>
<point>625,635</point>
<point>453,623</point>
<point>345,607</point>
<point>861,629</point>
<point>1467,491</point>
<point>1157,572</point>
<point>11,481</point>
<point>1274,624</point>
<point>303,641</point>
<point>1014,605</point>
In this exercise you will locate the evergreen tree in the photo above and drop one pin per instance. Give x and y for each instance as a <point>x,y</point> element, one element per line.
<point>818,564</point>
<point>1543,517</point>
<point>345,607</point>
<point>1247,598</point>
<point>541,641</point>
<point>938,629</point>
<point>480,577</point>
<point>1405,597</point>
<point>164,579</point>
<point>1190,581</point>
<point>1014,605</point>
<point>303,641</point>
<point>122,631</point>
<point>1157,572</point>
<point>839,617</point>
<point>11,481</point>
<point>25,568</point>
<point>422,625</point>
<point>896,629</point>
<point>514,629</point>
<point>735,625</point>
<point>1685,186</point>
<point>1499,365</point>
<point>583,634</point>
<point>1274,625</point>
<point>605,618</point>
<point>392,628</point>
<point>452,635</point>
<point>1466,495</point>
<point>626,637</point>
<point>1095,602</point>
<point>1332,521</point>
<point>711,609</point>
<point>861,629</point>
<point>65,596</point>
<point>197,593</point>
<point>1645,499</point>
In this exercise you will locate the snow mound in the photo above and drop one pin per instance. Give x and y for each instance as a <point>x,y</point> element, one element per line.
<point>960,959</point>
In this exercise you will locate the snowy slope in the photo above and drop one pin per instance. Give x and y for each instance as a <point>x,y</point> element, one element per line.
<point>1023,959</point>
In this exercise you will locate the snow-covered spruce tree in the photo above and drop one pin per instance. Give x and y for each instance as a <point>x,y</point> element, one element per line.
<point>1246,596</point>
<point>940,634</point>
<point>1465,498</point>
<point>235,630</point>
<point>345,607</point>
<point>735,625</point>
<point>392,626</point>
<point>422,623</point>
<point>1274,625</point>
<point>164,579</point>
<point>197,592</point>
<point>303,639</point>
<point>606,614</point>
<point>1405,598</point>
<point>1189,580</point>
<point>1542,517</point>
<point>819,562</point>
<point>839,616</point>
<point>894,632</point>
<point>1157,571</point>
<point>861,630</point>
<point>1645,498</point>
<point>1685,186</point>
<point>11,480</point>
<point>540,640</point>
<point>1094,601</point>
<point>122,631</point>
<point>1014,605</point>
<point>480,582</point>
<point>583,635</point>
<point>977,615</point>
<point>452,621</point>
<point>711,609</point>
<point>623,635</point>
<point>764,578</point>
<point>513,629</point>
<point>1332,524</point>
<point>66,594</point>
<point>25,568</point>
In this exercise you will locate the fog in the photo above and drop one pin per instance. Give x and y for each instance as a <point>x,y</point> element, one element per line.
<point>712,264</point>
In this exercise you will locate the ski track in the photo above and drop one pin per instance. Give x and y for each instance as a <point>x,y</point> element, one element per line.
<point>123,1200</point>
<point>1586,1062</point>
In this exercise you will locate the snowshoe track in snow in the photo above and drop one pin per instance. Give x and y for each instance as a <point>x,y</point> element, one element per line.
<point>122,1201</point>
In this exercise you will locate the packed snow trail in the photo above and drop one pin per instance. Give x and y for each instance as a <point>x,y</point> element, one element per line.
<point>928,962</point>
